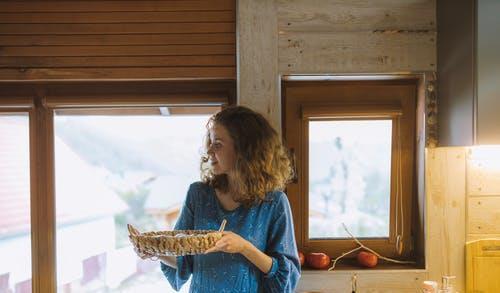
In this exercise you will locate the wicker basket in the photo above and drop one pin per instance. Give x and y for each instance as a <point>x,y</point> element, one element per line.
<point>177,242</point>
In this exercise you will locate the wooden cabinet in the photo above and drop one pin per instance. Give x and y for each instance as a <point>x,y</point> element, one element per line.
<point>468,72</point>
<point>483,266</point>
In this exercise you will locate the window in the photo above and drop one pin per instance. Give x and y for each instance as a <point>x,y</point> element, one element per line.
<point>115,167</point>
<point>354,148</point>
<point>101,154</point>
<point>15,211</point>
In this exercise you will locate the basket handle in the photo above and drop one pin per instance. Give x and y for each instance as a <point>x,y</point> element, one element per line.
<point>222,225</point>
<point>132,230</point>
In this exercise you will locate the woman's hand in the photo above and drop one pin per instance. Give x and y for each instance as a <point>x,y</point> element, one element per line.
<point>230,243</point>
<point>142,254</point>
<point>234,243</point>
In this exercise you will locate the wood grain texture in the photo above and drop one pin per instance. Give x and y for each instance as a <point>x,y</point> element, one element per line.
<point>339,36</point>
<point>474,237</point>
<point>119,61</point>
<point>483,266</point>
<point>145,73</point>
<point>42,177</point>
<point>483,193</point>
<point>484,215</point>
<point>356,52</point>
<point>117,40</point>
<point>114,28</point>
<point>114,6</point>
<point>258,80</point>
<point>367,281</point>
<point>483,177</point>
<point>353,16</point>
<point>87,39</point>
<point>123,17</point>
<point>182,50</point>
<point>445,226</point>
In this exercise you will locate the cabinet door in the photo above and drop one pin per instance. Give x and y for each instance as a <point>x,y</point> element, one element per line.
<point>486,272</point>
<point>488,72</point>
<point>483,266</point>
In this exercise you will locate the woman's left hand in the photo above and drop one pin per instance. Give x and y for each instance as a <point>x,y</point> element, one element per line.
<point>230,243</point>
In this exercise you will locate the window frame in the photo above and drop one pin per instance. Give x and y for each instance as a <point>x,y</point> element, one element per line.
<point>342,99</point>
<point>41,100</point>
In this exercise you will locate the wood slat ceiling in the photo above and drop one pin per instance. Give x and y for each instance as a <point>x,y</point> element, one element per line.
<point>166,39</point>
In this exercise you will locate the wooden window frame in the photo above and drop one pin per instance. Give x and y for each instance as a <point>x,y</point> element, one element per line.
<point>41,100</point>
<point>340,99</point>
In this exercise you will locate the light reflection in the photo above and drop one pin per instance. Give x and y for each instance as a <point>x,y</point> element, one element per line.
<point>487,155</point>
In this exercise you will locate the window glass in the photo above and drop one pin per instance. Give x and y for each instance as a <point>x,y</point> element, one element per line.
<point>15,220</point>
<point>349,178</point>
<point>114,170</point>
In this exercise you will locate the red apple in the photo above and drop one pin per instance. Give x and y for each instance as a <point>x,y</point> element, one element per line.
<point>367,259</point>
<point>302,258</point>
<point>318,260</point>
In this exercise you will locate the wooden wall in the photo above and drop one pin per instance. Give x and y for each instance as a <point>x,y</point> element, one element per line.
<point>446,214</point>
<point>356,36</point>
<point>283,37</point>
<point>315,37</point>
<point>117,39</point>
<point>483,193</point>
<point>258,76</point>
<point>445,235</point>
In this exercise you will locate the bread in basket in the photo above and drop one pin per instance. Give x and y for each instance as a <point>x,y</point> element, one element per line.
<point>176,242</point>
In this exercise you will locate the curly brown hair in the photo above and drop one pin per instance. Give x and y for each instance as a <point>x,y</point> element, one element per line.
<point>262,162</point>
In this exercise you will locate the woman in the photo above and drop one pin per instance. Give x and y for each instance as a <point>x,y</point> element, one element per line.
<point>243,175</point>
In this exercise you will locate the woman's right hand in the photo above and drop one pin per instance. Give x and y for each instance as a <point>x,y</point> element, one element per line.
<point>170,261</point>
<point>142,254</point>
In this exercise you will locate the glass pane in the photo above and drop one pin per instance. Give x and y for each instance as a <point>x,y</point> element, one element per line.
<point>15,220</point>
<point>349,178</point>
<point>114,170</point>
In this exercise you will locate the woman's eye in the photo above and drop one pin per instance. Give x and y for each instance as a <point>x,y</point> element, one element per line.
<point>215,146</point>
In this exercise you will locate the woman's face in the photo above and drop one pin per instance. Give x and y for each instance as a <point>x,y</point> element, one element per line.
<point>221,150</point>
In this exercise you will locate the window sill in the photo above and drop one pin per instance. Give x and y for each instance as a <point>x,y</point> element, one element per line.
<point>351,266</point>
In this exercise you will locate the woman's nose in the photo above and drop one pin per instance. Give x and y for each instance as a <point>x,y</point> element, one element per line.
<point>210,150</point>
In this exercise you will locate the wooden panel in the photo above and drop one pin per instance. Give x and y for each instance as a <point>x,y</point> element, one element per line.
<point>258,81</point>
<point>128,100</point>
<point>114,28</point>
<point>445,208</point>
<point>11,102</point>
<point>42,178</point>
<point>90,38</point>
<point>486,272</point>
<point>122,39</point>
<point>356,52</point>
<point>353,16</point>
<point>339,110</point>
<point>483,266</point>
<point>475,237</point>
<point>484,215</point>
<point>124,17</point>
<point>125,61</point>
<point>119,73</point>
<point>114,6</point>
<point>483,178</point>
<point>367,281</point>
<point>184,50</point>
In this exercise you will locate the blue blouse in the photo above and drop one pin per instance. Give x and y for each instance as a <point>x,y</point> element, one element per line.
<point>268,226</point>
